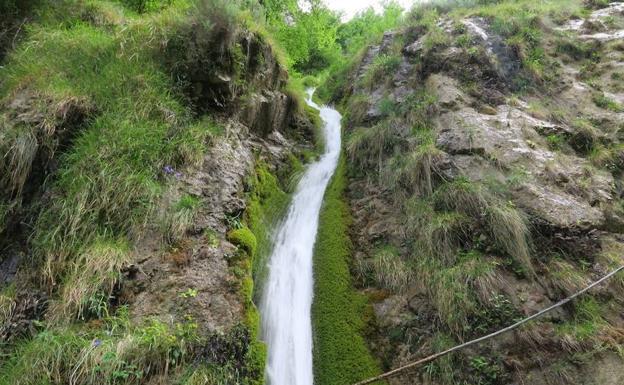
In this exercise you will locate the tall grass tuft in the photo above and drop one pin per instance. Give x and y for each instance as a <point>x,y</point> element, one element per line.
<point>90,281</point>
<point>391,272</point>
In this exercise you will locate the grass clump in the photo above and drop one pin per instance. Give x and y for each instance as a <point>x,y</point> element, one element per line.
<point>391,272</point>
<point>340,352</point>
<point>588,329</point>
<point>499,218</point>
<point>381,69</point>
<point>179,217</point>
<point>91,281</point>
<point>367,146</point>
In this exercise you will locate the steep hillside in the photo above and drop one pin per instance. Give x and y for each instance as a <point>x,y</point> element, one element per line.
<point>146,148</point>
<point>485,160</point>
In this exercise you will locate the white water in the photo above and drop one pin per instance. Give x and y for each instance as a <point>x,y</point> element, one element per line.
<point>287,325</point>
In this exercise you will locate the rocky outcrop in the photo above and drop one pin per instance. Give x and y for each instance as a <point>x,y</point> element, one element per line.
<point>540,149</point>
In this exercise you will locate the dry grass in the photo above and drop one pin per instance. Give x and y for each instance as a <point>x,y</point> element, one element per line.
<point>390,270</point>
<point>367,146</point>
<point>509,229</point>
<point>459,290</point>
<point>565,277</point>
<point>90,281</point>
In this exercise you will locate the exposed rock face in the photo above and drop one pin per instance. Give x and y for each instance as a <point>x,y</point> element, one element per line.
<point>247,81</point>
<point>541,147</point>
<point>201,260</point>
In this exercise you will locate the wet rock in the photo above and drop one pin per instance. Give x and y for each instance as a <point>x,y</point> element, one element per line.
<point>502,57</point>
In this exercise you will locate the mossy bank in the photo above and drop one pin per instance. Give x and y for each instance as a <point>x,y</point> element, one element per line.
<point>339,313</point>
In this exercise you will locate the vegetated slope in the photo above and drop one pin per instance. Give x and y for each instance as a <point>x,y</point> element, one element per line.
<point>132,137</point>
<point>485,162</point>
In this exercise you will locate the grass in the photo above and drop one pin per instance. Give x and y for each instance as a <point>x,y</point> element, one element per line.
<point>566,277</point>
<point>367,146</point>
<point>459,290</point>
<point>416,171</point>
<point>118,353</point>
<point>381,69</point>
<point>603,101</point>
<point>340,352</point>
<point>112,175</point>
<point>179,217</point>
<point>501,219</point>
<point>90,281</point>
<point>391,272</point>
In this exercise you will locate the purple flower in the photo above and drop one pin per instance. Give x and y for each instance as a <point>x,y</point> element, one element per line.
<point>168,170</point>
<point>97,342</point>
<point>178,175</point>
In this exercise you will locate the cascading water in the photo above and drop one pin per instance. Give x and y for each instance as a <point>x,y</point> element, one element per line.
<point>287,324</point>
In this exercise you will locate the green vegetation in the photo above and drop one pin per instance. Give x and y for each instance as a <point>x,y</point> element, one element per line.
<point>244,239</point>
<point>391,272</point>
<point>117,353</point>
<point>340,352</point>
<point>265,206</point>
<point>382,67</point>
<point>603,101</point>
<point>179,217</point>
<point>112,111</point>
<point>353,37</point>
<point>121,152</point>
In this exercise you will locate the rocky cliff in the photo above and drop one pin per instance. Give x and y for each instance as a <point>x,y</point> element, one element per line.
<point>144,157</point>
<point>486,163</point>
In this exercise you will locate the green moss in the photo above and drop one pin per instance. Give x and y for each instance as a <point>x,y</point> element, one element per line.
<point>266,204</point>
<point>340,352</point>
<point>244,239</point>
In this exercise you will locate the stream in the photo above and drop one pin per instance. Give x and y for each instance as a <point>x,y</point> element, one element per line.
<point>287,299</point>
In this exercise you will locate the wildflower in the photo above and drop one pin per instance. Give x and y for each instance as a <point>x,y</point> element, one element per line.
<point>168,170</point>
<point>97,342</point>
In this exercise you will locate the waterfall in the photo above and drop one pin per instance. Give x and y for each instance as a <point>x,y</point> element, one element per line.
<point>287,299</point>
